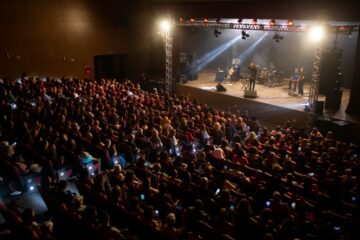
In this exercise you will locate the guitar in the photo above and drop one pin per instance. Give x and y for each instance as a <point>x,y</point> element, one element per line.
<point>230,73</point>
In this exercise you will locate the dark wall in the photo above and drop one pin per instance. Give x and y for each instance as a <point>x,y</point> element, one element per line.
<point>57,38</point>
<point>44,37</point>
<point>337,10</point>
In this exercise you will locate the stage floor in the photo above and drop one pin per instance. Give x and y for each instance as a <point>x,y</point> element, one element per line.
<point>275,95</point>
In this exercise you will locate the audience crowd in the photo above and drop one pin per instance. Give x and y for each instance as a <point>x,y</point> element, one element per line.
<point>148,165</point>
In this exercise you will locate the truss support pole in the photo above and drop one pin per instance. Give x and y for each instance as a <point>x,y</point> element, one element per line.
<point>168,59</point>
<point>314,88</point>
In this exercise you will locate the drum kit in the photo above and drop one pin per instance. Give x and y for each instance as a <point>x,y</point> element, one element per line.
<point>269,77</point>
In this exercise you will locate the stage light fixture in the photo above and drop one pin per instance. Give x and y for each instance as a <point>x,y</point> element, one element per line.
<point>217,33</point>
<point>165,25</point>
<point>272,22</point>
<point>240,21</point>
<point>244,35</point>
<point>277,37</point>
<point>317,33</point>
<point>206,20</point>
<point>218,20</point>
<point>290,22</point>
<point>181,19</point>
<point>192,20</point>
<point>254,21</point>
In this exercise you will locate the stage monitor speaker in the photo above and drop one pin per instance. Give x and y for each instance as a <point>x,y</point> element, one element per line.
<point>319,108</point>
<point>333,99</point>
<point>250,93</point>
<point>220,88</point>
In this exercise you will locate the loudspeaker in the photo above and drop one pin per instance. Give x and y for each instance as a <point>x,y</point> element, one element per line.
<point>342,130</point>
<point>319,108</point>
<point>250,93</point>
<point>220,76</point>
<point>333,99</point>
<point>330,67</point>
<point>220,88</point>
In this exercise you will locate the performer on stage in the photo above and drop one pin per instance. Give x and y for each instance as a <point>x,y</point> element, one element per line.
<point>294,80</point>
<point>301,81</point>
<point>253,75</point>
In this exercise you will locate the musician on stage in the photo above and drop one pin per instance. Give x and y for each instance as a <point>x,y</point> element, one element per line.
<point>294,80</point>
<point>253,75</point>
<point>301,81</point>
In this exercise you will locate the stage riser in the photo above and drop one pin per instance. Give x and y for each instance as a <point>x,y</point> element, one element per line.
<point>263,111</point>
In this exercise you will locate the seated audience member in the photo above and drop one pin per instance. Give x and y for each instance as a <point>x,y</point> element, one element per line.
<point>169,229</point>
<point>108,231</point>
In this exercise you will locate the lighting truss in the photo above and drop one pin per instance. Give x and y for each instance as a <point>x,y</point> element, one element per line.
<point>168,62</point>
<point>264,27</point>
<point>314,88</point>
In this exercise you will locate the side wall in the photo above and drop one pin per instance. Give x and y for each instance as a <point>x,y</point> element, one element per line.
<point>56,38</point>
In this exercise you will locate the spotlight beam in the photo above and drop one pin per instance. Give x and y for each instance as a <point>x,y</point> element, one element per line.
<point>244,55</point>
<point>209,57</point>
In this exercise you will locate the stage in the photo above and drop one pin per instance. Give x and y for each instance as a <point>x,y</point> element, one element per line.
<point>273,106</point>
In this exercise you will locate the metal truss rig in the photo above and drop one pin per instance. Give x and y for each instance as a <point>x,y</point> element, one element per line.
<point>264,27</point>
<point>314,88</point>
<point>168,62</point>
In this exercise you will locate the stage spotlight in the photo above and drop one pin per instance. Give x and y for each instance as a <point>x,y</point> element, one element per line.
<point>31,188</point>
<point>181,19</point>
<point>218,20</point>
<point>165,25</point>
<point>217,33</point>
<point>254,21</point>
<point>272,22</point>
<point>317,33</point>
<point>192,20</point>
<point>240,21</point>
<point>206,20</point>
<point>244,35</point>
<point>290,22</point>
<point>277,37</point>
